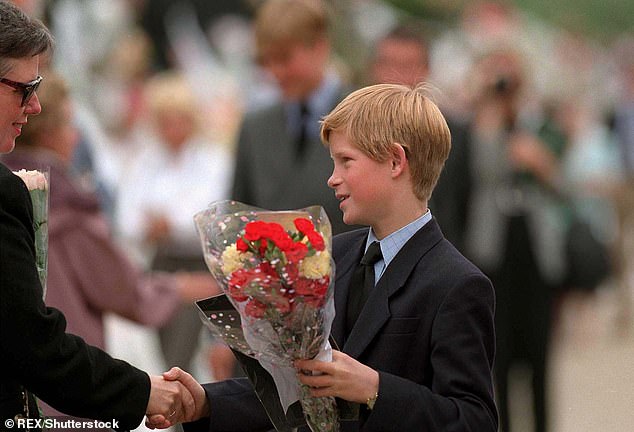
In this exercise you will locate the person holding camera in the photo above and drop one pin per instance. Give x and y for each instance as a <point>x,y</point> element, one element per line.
<point>513,224</point>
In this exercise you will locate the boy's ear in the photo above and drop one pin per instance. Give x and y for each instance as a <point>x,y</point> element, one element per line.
<point>398,159</point>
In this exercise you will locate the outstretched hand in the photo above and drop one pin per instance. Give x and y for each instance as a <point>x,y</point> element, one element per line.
<point>194,404</point>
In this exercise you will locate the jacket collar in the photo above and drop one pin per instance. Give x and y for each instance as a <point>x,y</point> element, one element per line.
<point>376,312</point>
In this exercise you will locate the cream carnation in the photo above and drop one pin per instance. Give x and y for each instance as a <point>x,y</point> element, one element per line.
<point>233,259</point>
<point>315,266</point>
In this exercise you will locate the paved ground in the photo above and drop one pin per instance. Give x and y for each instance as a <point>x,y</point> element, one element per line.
<point>592,371</point>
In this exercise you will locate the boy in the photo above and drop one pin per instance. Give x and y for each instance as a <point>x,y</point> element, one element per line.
<point>420,354</point>
<point>280,163</point>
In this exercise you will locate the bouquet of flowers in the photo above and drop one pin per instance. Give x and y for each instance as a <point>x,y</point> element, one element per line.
<point>37,184</point>
<point>276,270</point>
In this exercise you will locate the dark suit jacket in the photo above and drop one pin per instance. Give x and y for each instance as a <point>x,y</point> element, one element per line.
<point>267,175</point>
<point>37,354</point>
<point>427,328</point>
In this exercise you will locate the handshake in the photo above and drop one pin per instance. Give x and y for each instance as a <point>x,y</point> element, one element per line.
<point>175,397</point>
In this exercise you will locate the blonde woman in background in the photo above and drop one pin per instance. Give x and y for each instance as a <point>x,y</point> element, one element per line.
<point>178,173</point>
<point>88,274</point>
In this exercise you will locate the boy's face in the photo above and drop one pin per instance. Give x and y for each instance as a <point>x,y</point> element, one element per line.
<point>400,62</point>
<point>298,68</point>
<point>361,184</point>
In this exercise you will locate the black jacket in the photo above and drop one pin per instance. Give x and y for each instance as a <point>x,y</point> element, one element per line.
<point>37,354</point>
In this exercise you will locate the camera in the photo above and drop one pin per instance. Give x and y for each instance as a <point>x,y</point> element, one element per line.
<point>504,85</point>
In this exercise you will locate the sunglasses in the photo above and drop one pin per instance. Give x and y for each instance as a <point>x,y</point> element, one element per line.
<point>28,89</point>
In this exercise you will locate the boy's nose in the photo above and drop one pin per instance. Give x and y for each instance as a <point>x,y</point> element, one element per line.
<point>333,181</point>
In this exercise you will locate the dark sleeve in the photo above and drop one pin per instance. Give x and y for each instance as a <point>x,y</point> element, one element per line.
<point>460,396</point>
<point>61,369</point>
<point>234,407</point>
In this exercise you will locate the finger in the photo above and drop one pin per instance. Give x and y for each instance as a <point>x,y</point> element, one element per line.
<point>317,367</point>
<point>188,381</point>
<point>315,380</point>
<point>323,392</point>
<point>156,418</point>
<point>157,421</point>
<point>173,374</point>
<point>309,365</point>
<point>303,364</point>
<point>193,398</point>
<point>338,355</point>
<point>188,404</point>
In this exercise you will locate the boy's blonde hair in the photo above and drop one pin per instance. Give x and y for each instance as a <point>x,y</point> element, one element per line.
<point>283,22</point>
<point>374,118</point>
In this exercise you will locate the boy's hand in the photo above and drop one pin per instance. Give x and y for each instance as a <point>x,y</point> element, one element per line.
<point>344,377</point>
<point>197,403</point>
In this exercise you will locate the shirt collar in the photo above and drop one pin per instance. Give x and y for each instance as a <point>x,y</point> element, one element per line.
<point>392,244</point>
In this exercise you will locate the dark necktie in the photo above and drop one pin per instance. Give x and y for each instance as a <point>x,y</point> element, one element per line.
<point>302,137</point>
<point>361,284</point>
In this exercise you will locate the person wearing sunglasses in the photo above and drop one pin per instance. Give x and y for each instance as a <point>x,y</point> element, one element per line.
<point>27,89</point>
<point>38,357</point>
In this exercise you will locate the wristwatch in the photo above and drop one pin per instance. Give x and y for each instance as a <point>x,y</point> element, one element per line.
<point>371,401</point>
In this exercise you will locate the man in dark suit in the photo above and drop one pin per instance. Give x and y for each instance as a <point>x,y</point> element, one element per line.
<point>38,357</point>
<point>402,57</point>
<point>281,163</point>
<point>417,344</point>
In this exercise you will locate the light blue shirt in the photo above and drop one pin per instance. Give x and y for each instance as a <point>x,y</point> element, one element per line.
<point>392,244</point>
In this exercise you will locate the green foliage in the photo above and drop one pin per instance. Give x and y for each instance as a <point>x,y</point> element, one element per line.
<point>599,19</point>
<point>602,19</point>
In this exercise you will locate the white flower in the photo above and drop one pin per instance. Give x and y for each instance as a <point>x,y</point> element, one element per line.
<point>315,266</point>
<point>33,179</point>
<point>233,259</point>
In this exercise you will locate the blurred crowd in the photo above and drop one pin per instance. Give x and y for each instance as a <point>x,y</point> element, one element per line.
<point>175,104</point>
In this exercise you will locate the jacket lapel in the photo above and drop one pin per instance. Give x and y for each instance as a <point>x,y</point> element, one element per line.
<point>376,311</point>
<point>343,273</point>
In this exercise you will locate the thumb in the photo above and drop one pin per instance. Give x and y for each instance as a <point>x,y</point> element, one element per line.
<point>173,374</point>
<point>157,421</point>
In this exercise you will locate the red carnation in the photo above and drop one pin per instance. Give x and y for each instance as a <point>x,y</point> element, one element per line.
<point>254,230</point>
<point>316,240</point>
<point>255,309</point>
<point>296,252</point>
<point>304,225</point>
<point>282,240</point>
<point>241,245</point>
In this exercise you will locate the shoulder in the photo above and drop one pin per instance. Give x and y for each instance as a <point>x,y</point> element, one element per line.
<point>440,263</point>
<point>7,177</point>
<point>458,277</point>
<point>13,191</point>
<point>264,114</point>
<point>451,260</point>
